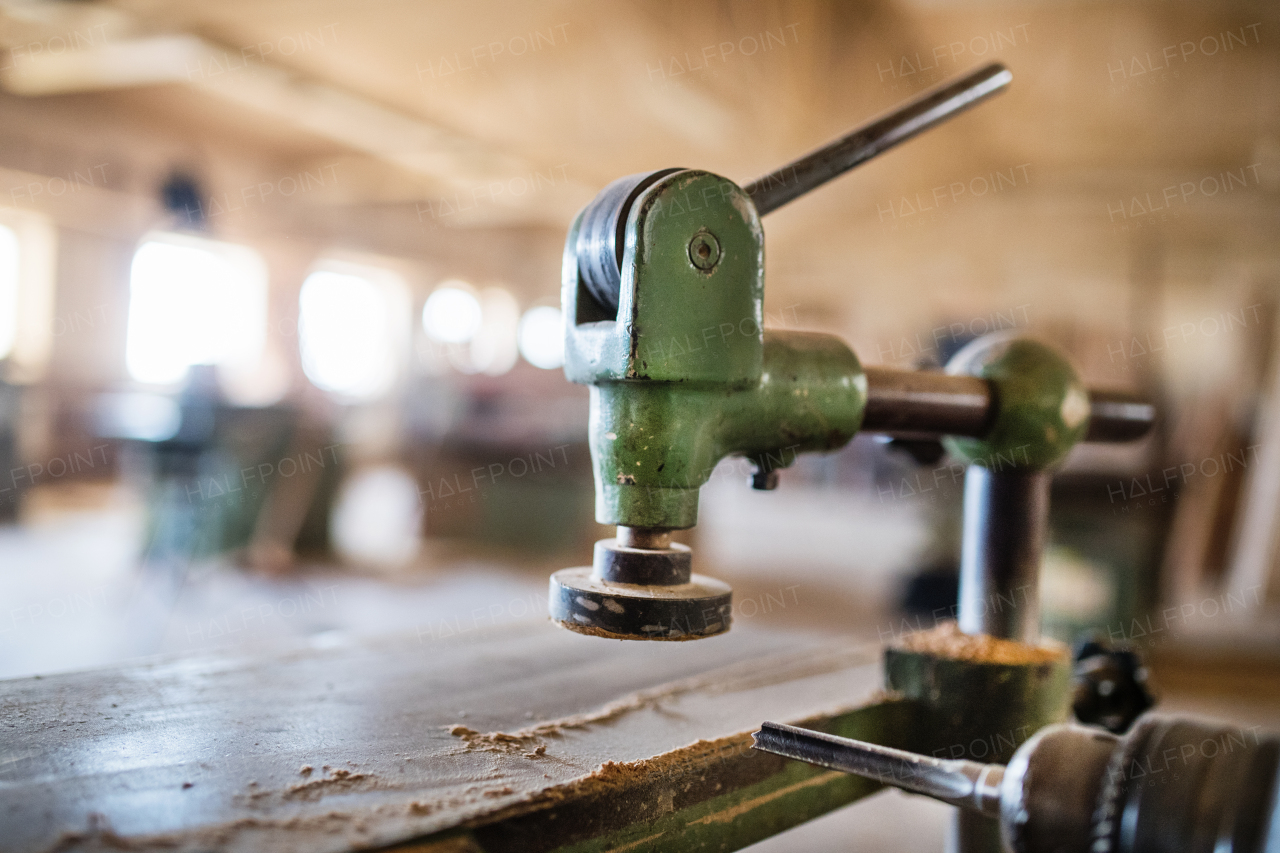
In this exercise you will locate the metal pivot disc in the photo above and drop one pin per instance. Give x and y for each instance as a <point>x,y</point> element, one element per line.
<point>625,611</point>
<point>602,235</point>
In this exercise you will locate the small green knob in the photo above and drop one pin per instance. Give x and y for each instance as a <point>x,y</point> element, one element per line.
<point>1041,407</point>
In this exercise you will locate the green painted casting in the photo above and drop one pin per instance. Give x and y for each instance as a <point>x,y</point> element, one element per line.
<point>655,443</point>
<point>979,710</point>
<point>685,375</point>
<point>675,322</point>
<point>1042,408</point>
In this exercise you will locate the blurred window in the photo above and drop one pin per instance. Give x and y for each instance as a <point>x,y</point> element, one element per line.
<point>8,290</point>
<point>493,347</point>
<point>194,301</point>
<point>352,330</point>
<point>27,325</point>
<point>452,313</point>
<point>475,330</point>
<point>541,337</point>
<point>377,517</point>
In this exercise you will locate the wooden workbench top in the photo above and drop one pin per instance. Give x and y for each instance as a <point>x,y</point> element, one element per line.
<point>368,742</point>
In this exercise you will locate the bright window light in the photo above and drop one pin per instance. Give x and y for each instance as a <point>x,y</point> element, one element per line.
<point>351,331</point>
<point>27,325</point>
<point>8,290</point>
<point>377,518</point>
<point>493,348</point>
<point>541,337</point>
<point>452,313</point>
<point>194,301</point>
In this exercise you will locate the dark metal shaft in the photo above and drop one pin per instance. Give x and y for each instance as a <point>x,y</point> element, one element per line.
<point>1117,416</point>
<point>648,538</point>
<point>931,108</point>
<point>927,403</point>
<point>1006,514</point>
<point>968,784</point>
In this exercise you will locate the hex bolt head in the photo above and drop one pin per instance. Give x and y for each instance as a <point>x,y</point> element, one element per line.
<point>704,250</point>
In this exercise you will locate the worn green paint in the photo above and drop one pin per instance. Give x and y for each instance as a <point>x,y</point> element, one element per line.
<point>685,375</point>
<point>675,322</point>
<point>1042,408</point>
<point>986,709</point>
<point>979,710</point>
<point>654,444</point>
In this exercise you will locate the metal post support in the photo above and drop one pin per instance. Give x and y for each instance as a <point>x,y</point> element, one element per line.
<point>1006,514</point>
<point>1039,410</point>
<point>1005,519</point>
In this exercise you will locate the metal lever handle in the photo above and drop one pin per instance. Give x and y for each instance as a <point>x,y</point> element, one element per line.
<point>835,158</point>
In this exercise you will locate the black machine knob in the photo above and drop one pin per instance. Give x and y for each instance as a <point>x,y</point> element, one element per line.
<point>1111,688</point>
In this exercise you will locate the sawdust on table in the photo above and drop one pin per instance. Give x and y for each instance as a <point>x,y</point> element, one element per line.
<point>614,776</point>
<point>99,836</point>
<point>340,780</point>
<point>948,641</point>
<point>609,777</point>
<point>744,675</point>
<point>328,822</point>
<point>496,741</point>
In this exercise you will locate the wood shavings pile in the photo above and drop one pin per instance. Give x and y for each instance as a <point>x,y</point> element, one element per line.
<point>947,641</point>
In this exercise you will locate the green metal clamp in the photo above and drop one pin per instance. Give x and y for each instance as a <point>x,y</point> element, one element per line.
<point>685,374</point>
<point>682,374</point>
<point>663,294</point>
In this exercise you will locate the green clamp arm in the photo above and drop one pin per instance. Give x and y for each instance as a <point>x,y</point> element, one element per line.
<point>684,374</point>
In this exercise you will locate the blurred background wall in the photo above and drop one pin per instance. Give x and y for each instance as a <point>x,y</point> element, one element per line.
<point>278,289</point>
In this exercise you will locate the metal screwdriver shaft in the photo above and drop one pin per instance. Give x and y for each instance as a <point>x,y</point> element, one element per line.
<point>929,109</point>
<point>968,784</point>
